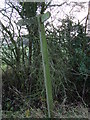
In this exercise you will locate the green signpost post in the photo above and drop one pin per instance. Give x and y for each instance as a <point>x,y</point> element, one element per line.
<point>48,85</point>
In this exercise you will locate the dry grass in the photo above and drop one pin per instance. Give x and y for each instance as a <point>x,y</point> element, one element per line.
<point>62,111</point>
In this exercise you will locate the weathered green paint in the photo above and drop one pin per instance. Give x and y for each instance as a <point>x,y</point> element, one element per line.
<point>48,85</point>
<point>33,20</point>
<point>46,69</point>
<point>45,16</point>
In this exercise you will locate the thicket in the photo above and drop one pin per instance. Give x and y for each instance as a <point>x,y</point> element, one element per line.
<point>22,72</point>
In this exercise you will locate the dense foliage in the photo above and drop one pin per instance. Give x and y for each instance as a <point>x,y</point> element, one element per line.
<point>69,55</point>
